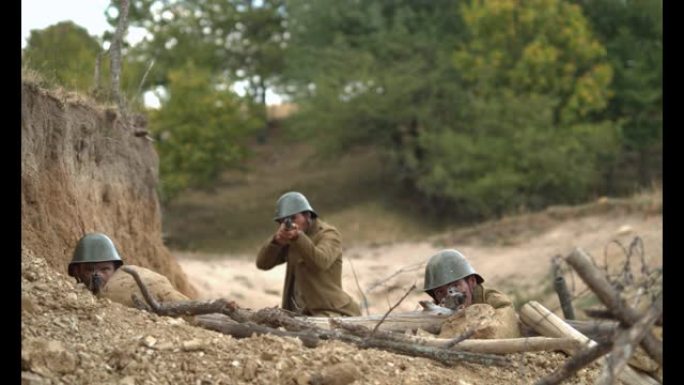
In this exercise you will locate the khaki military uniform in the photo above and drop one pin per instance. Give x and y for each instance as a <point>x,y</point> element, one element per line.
<point>122,285</point>
<point>491,315</point>
<point>313,278</point>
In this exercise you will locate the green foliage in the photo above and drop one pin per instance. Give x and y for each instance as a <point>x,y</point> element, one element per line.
<point>235,39</point>
<point>535,75</point>
<point>510,155</point>
<point>632,32</point>
<point>484,107</point>
<point>542,47</point>
<point>201,130</point>
<point>67,55</point>
<point>63,52</point>
<point>371,72</point>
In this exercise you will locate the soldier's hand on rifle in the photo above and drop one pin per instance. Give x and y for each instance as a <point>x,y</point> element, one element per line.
<point>287,231</point>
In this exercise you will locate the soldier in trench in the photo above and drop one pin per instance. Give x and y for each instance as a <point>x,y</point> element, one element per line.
<point>96,262</point>
<point>312,250</point>
<point>452,282</point>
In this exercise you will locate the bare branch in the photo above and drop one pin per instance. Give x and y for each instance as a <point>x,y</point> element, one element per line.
<point>392,308</point>
<point>356,279</point>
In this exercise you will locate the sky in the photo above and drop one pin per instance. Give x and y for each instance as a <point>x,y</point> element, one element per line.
<point>89,14</point>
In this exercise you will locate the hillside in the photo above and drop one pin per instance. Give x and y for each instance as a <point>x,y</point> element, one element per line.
<point>81,171</point>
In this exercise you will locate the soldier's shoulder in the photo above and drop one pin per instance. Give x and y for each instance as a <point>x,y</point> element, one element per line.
<point>496,298</point>
<point>325,226</point>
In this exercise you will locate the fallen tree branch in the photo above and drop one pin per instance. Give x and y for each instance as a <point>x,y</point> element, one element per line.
<point>181,308</point>
<point>225,325</point>
<point>599,330</point>
<point>598,283</point>
<point>548,324</point>
<point>225,317</point>
<point>311,337</point>
<point>625,342</point>
<point>493,346</point>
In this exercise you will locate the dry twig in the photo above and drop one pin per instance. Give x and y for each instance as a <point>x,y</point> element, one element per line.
<point>392,308</point>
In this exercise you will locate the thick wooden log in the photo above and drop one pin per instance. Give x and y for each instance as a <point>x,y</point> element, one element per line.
<point>548,324</point>
<point>517,345</point>
<point>429,319</point>
<point>224,324</point>
<point>490,346</point>
<point>597,282</point>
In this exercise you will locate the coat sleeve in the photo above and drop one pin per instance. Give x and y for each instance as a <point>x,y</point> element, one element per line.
<point>270,255</point>
<point>323,253</point>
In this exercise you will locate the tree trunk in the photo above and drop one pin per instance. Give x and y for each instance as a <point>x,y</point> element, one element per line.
<point>115,55</point>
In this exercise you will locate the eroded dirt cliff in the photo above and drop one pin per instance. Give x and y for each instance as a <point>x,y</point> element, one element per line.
<point>82,171</point>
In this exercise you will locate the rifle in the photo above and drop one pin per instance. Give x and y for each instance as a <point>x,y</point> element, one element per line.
<point>95,283</point>
<point>288,223</point>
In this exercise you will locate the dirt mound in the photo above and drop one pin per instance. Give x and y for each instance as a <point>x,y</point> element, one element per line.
<point>82,170</point>
<point>70,336</point>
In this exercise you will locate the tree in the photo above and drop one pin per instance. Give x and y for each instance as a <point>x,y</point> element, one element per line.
<point>536,77</point>
<point>372,72</point>
<point>237,39</point>
<point>632,32</point>
<point>64,52</point>
<point>200,129</point>
<point>482,107</point>
<point>542,47</point>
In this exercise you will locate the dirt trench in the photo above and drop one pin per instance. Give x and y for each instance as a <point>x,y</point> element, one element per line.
<point>83,170</point>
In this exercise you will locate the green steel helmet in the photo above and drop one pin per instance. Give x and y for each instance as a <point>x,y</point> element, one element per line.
<point>447,266</point>
<point>292,203</point>
<point>94,247</point>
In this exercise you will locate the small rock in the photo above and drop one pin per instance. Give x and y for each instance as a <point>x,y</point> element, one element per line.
<point>128,380</point>
<point>339,374</point>
<point>31,276</point>
<point>249,371</point>
<point>164,346</point>
<point>28,305</point>
<point>192,345</point>
<point>149,341</point>
<point>51,355</point>
<point>28,378</point>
